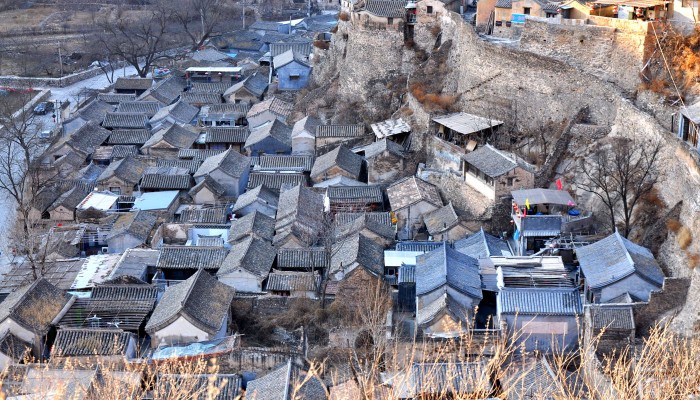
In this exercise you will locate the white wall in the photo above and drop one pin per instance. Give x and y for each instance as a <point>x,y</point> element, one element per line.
<point>180,331</point>
<point>241,280</point>
<point>480,186</point>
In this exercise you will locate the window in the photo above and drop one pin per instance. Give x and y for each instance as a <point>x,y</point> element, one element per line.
<point>526,10</point>
<point>293,77</point>
<point>115,190</point>
<point>430,10</point>
<point>390,21</point>
<point>511,180</point>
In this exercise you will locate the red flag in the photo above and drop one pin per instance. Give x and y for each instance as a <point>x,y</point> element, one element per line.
<point>525,212</point>
<point>559,185</point>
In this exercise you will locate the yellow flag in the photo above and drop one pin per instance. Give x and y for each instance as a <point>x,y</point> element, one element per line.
<point>527,203</point>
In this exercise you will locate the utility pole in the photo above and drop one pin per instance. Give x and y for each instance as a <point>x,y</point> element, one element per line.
<point>201,17</point>
<point>60,59</point>
<point>243,14</point>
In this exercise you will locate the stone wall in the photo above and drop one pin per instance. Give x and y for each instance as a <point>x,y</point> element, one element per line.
<point>257,359</point>
<point>669,299</point>
<point>20,81</point>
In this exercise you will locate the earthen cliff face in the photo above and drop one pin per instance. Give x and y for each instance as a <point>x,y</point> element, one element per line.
<point>528,88</point>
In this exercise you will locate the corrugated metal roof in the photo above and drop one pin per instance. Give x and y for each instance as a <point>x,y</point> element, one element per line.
<point>350,131</point>
<point>542,196</point>
<point>541,225</point>
<point>466,123</point>
<point>390,127</point>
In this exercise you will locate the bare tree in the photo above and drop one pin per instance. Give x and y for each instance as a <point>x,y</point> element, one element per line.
<point>620,174</point>
<point>199,18</point>
<point>22,179</point>
<point>138,41</point>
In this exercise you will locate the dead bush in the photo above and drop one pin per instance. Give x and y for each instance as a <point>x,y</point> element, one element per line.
<point>344,16</point>
<point>321,44</point>
<point>334,29</point>
<point>673,225</point>
<point>693,260</point>
<point>410,44</point>
<point>654,199</point>
<point>684,237</point>
<point>435,30</point>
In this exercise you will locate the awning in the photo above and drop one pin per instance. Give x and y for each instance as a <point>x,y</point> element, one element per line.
<point>633,3</point>
<point>542,196</point>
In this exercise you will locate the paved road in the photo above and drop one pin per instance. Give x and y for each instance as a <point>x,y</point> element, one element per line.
<point>71,93</point>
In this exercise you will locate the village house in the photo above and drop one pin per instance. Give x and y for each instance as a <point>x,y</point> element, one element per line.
<point>448,288</point>
<point>207,191</point>
<point>292,70</point>
<point>385,161</point>
<point>275,181</point>
<point>271,137</point>
<point>259,199</point>
<point>494,173</point>
<point>482,245</point>
<point>229,169</point>
<point>286,382</point>
<point>135,86</point>
<point>116,98</point>
<point>167,141</point>
<point>63,209</point>
<point>223,138</point>
<point>247,265</point>
<point>610,325</point>
<point>615,266</point>
<point>293,284</point>
<point>396,129</point>
<point>123,120</point>
<point>150,108</point>
<point>300,220</point>
<point>27,314</point>
<point>13,350</point>
<point>208,74</point>
<point>354,199</point>
<point>97,204</point>
<point>283,163</point>
<point>135,137</point>
<point>304,135</point>
<point>210,216</point>
<point>130,230</point>
<point>250,90</point>
<point>443,224</point>
<point>177,113</point>
<point>199,100</point>
<point>369,227</point>
<point>688,125</point>
<point>166,91</point>
<point>303,48</point>
<point>532,377</point>
<point>268,110</point>
<point>209,87</point>
<point>209,54</point>
<point>459,380</point>
<point>301,259</point>
<point>339,162</point>
<point>229,114</point>
<point>89,344</point>
<point>465,131</point>
<point>94,111</point>
<point>356,252</point>
<point>541,318</point>
<point>192,311</point>
<point>410,199</point>
<point>77,146</point>
<point>256,225</point>
<point>381,13</point>
<point>329,136</point>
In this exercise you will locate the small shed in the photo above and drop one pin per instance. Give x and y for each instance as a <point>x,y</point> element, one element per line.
<point>612,325</point>
<point>689,125</point>
<point>465,130</point>
<point>410,199</point>
<point>292,70</point>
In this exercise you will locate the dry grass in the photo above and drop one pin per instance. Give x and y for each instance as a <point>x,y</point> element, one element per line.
<point>432,101</point>
<point>673,225</point>
<point>684,237</point>
<point>344,16</point>
<point>321,44</point>
<point>435,30</point>
<point>693,259</point>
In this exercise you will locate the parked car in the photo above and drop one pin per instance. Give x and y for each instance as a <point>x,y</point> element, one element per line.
<point>43,108</point>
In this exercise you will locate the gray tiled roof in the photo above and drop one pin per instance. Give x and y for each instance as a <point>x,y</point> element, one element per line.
<point>379,147</point>
<point>252,254</point>
<point>227,111</point>
<point>490,161</point>
<point>129,136</point>
<point>355,194</point>
<point>287,57</point>
<point>612,318</point>
<point>209,87</point>
<point>190,165</point>
<point>343,218</point>
<point>188,257</point>
<point>504,4</point>
<point>482,245</point>
<point>88,137</point>
<point>614,258</point>
<point>115,98</point>
<point>125,120</point>
<point>256,224</point>
<point>265,25</point>
<point>447,267</point>
<point>14,347</point>
<point>221,134</point>
<point>531,378</point>
<point>71,198</point>
<point>198,387</point>
<point>292,281</point>
<point>123,83</point>
<point>540,301</point>
<point>214,215</point>
<point>386,8</point>
<point>201,299</point>
<point>413,245</point>
<point>123,151</point>
<point>95,111</point>
<point>299,205</point>
<point>274,104</point>
<point>437,379</point>
<point>541,225</point>
<point>150,108</point>
<point>308,124</point>
<point>73,342</point>
<point>407,274</point>
<point>209,54</point>
<point>162,181</point>
<point>275,129</point>
<point>175,135</point>
<point>297,163</point>
<point>441,219</point>
<point>34,306</point>
<point>181,112</point>
<point>340,131</point>
<point>411,190</point>
<point>197,154</point>
<point>256,84</point>
<point>362,224</point>
<point>275,181</point>
<point>260,193</point>
<point>282,382</point>
<point>128,170</point>
<point>341,157</point>
<point>167,90</point>
<point>209,183</point>
<point>124,291</point>
<point>229,162</point>
<point>200,98</point>
<point>136,223</point>
<point>301,259</point>
<point>302,48</point>
<point>360,249</point>
<point>135,262</point>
